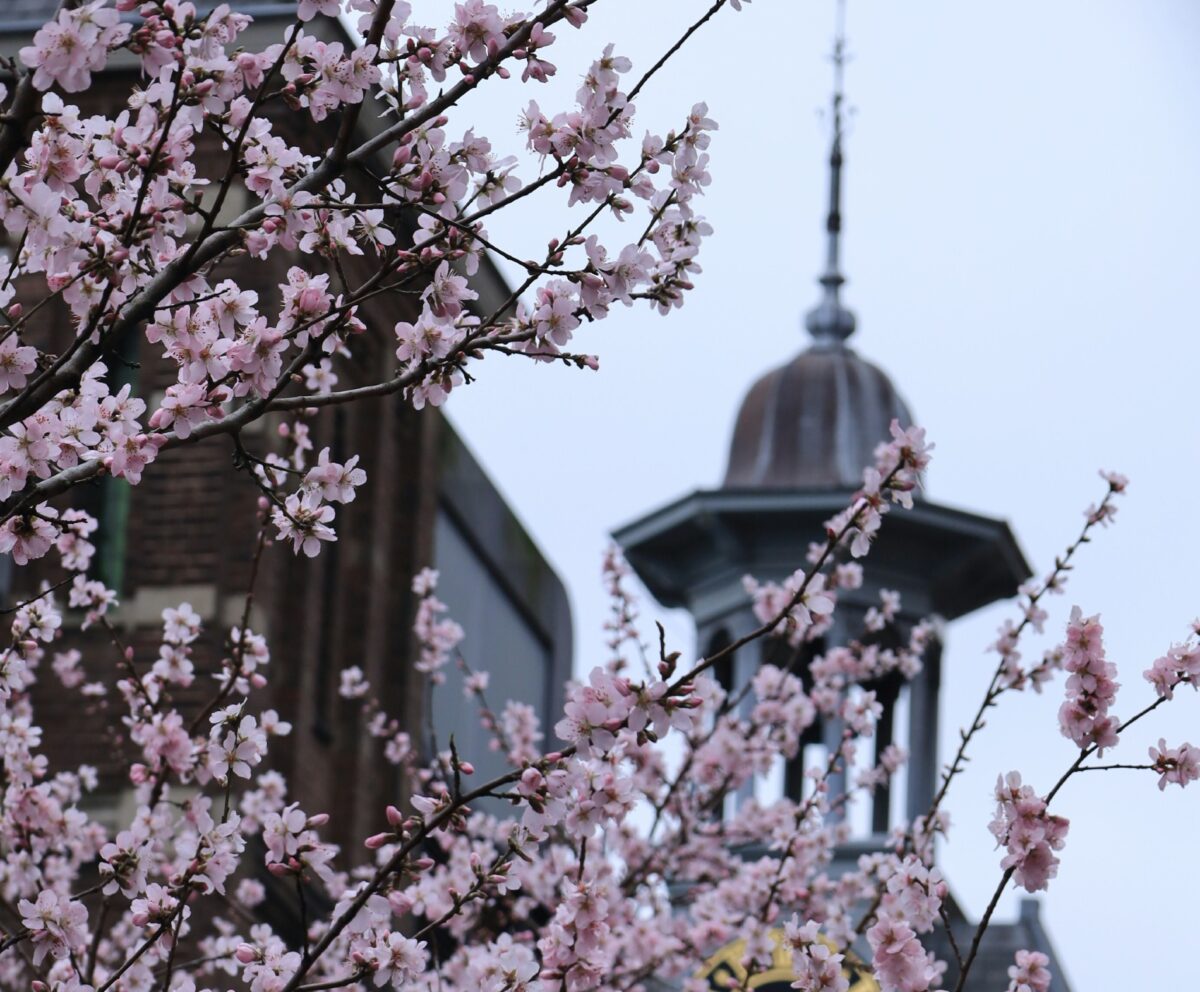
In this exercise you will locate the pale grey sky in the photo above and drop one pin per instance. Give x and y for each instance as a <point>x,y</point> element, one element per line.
<point>1021,217</point>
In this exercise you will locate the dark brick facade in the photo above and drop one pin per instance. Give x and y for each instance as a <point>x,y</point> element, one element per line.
<point>188,532</point>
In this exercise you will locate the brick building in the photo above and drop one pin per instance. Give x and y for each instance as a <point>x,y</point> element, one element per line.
<point>187,533</point>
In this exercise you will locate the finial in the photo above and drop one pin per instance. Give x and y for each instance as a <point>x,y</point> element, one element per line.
<point>829,322</point>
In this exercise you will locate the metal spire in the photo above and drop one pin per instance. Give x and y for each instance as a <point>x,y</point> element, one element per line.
<point>829,322</point>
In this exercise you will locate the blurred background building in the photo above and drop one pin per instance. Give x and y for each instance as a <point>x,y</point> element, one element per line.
<point>187,533</point>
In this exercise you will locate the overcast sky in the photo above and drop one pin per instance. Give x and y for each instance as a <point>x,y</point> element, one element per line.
<point>1021,242</point>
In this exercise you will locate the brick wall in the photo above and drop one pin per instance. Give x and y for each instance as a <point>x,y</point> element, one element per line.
<point>190,533</point>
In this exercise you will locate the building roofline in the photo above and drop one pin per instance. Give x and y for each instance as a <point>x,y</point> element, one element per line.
<point>713,536</point>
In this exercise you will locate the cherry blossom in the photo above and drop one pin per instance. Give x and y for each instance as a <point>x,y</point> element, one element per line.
<point>1030,973</point>
<point>73,46</point>
<point>1031,835</point>
<point>1177,765</point>
<point>1091,689</point>
<point>615,848</point>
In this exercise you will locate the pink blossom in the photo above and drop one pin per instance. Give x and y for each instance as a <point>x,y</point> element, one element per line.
<point>57,924</point>
<point>815,964</point>
<point>335,482</point>
<point>73,46</point>
<point>17,362</point>
<point>1178,765</point>
<point>304,520</point>
<point>29,537</point>
<point>1030,834</point>
<point>1091,688</point>
<point>900,963</point>
<point>1031,972</point>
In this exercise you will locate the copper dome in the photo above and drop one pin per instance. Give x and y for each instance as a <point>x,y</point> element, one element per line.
<point>814,422</point>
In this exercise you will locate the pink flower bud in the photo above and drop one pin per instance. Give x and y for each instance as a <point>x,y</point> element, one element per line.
<point>376,841</point>
<point>394,816</point>
<point>246,953</point>
<point>309,300</point>
<point>318,819</point>
<point>466,767</point>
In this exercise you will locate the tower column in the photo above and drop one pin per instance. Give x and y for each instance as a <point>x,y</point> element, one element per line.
<point>923,733</point>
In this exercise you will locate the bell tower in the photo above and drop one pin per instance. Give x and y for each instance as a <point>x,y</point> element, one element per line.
<point>802,437</point>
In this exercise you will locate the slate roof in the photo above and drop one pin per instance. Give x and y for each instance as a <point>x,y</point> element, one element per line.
<point>997,950</point>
